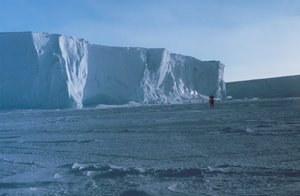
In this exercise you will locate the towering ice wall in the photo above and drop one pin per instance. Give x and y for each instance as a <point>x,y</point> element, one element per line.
<point>40,70</point>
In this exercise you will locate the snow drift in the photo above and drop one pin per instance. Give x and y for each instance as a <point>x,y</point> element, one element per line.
<point>40,70</point>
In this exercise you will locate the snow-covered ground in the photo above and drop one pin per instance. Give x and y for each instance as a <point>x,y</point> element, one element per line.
<point>240,148</point>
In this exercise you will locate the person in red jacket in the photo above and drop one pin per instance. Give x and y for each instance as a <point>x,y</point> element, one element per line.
<point>211,102</point>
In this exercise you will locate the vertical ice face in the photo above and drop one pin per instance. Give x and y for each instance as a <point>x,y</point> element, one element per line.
<point>62,63</point>
<point>173,77</point>
<point>50,83</point>
<point>221,92</point>
<point>74,54</point>
<point>41,70</point>
<point>156,67</point>
<point>114,76</point>
<point>18,64</point>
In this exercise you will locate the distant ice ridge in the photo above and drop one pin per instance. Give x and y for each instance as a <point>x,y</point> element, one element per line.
<point>41,70</point>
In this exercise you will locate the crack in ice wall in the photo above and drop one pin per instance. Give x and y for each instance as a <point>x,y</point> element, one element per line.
<point>172,77</point>
<point>164,67</point>
<point>221,84</point>
<point>75,57</point>
<point>62,69</point>
<point>152,82</point>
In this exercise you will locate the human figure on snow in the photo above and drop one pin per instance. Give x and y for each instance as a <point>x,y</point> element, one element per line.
<point>211,102</point>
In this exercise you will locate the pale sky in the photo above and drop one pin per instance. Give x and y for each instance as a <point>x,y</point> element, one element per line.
<point>253,38</point>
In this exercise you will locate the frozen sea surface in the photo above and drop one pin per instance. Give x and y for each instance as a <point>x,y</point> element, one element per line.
<point>240,148</point>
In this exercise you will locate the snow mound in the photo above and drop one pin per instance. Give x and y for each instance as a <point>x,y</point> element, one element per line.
<point>41,70</point>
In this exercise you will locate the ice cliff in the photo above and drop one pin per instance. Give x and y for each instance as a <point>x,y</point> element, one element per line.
<point>279,87</point>
<point>40,70</point>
